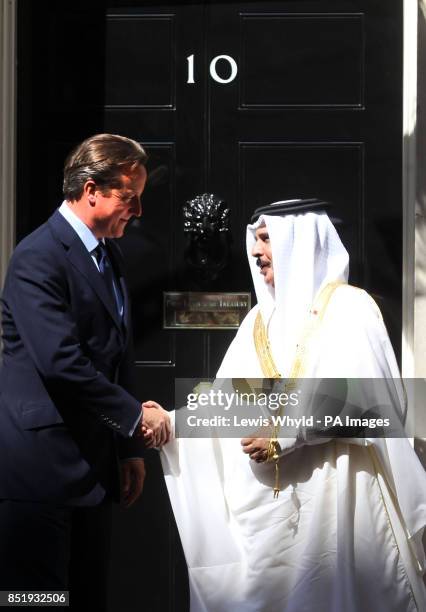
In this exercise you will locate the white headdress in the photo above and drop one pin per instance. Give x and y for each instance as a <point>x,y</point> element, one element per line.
<point>307,254</point>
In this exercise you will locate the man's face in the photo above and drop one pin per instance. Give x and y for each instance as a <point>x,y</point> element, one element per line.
<point>262,250</point>
<point>113,209</point>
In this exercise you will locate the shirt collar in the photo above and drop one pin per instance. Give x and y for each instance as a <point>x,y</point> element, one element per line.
<point>85,234</point>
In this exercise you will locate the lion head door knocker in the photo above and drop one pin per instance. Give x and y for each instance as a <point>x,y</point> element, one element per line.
<point>206,226</point>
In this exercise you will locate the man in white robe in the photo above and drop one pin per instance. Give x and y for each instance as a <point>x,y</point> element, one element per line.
<point>344,533</point>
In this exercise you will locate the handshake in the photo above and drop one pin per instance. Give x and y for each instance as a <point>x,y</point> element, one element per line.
<point>155,425</point>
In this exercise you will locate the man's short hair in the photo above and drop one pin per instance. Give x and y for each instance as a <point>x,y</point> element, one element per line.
<point>101,158</point>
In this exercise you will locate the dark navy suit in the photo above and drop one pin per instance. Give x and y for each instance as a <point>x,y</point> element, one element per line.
<point>66,403</point>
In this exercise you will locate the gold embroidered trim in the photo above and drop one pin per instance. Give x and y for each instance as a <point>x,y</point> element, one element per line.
<point>269,369</point>
<point>378,472</point>
<point>263,349</point>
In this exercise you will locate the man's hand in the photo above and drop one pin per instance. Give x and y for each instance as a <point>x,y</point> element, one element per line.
<point>132,479</point>
<point>155,426</point>
<point>257,445</point>
<point>256,448</point>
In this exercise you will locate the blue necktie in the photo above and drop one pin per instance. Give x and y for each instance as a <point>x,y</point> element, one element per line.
<point>107,272</point>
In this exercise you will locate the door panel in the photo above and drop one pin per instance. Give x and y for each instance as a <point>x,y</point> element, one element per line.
<point>148,41</point>
<point>283,55</point>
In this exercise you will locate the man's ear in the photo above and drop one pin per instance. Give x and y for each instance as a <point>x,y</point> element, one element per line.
<point>89,191</point>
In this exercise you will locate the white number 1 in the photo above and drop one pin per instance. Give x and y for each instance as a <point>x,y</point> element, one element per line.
<point>190,59</point>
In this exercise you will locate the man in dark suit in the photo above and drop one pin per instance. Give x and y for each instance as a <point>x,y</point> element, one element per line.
<point>70,426</point>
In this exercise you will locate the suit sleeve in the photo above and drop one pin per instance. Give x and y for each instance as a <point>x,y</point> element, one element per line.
<point>132,446</point>
<point>39,300</point>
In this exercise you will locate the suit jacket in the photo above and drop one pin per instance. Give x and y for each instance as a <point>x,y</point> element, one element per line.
<point>66,403</point>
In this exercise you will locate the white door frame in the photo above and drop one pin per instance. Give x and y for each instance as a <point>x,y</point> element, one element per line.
<point>415,316</point>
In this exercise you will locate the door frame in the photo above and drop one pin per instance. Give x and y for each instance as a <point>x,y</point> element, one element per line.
<point>8,107</point>
<point>414,317</point>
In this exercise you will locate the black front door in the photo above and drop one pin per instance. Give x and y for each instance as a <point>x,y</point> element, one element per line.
<point>251,101</point>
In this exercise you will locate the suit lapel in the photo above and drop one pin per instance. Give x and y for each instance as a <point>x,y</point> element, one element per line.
<point>126,321</point>
<point>82,260</point>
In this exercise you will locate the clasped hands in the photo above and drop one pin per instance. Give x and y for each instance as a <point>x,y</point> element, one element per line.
<point>155,425</point>
<point>155,429</point>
